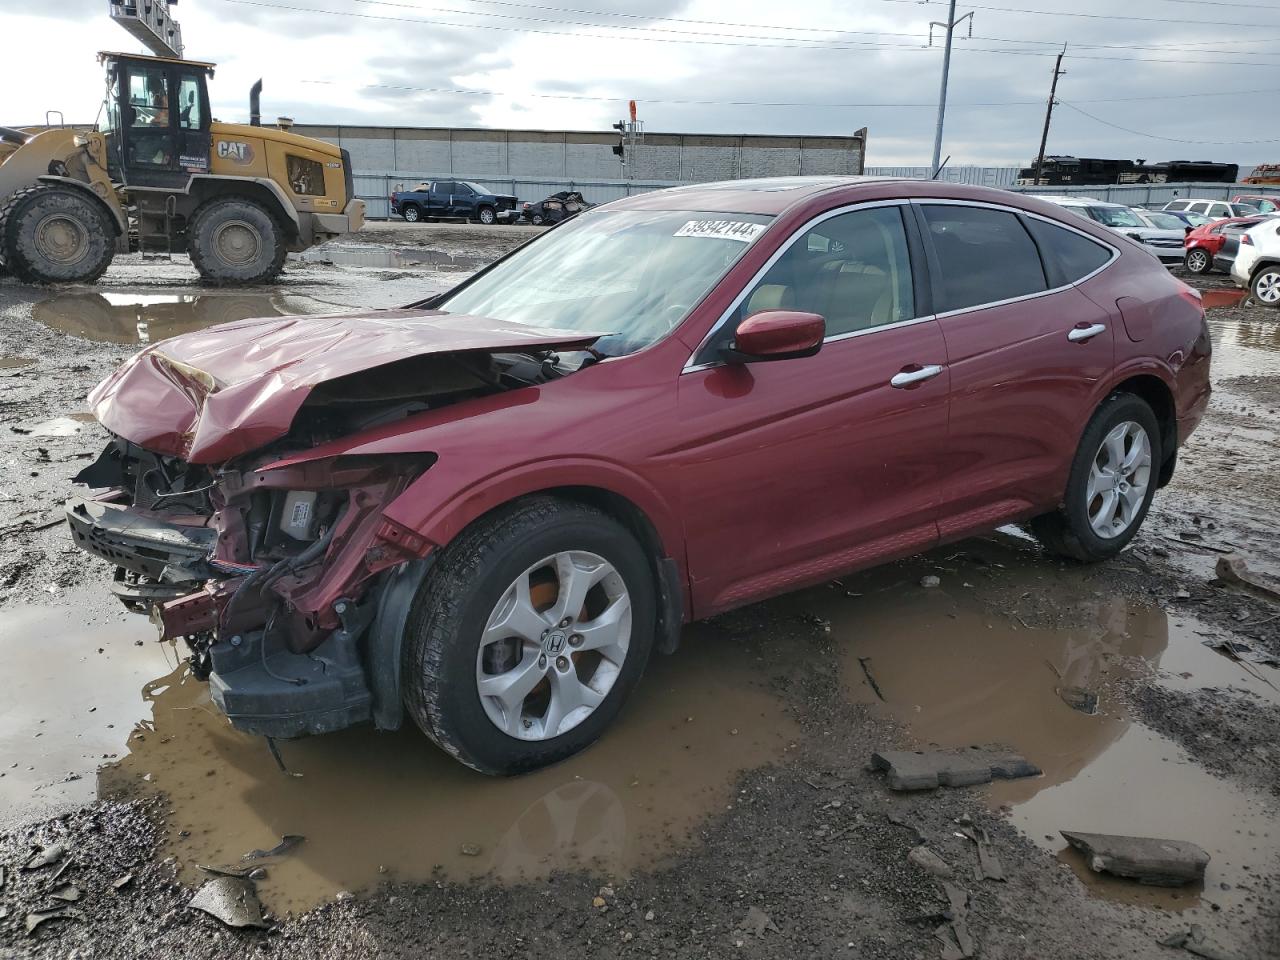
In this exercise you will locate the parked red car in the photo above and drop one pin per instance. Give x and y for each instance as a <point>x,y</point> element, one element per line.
<point>1203,243</point>
<point>488,508</point>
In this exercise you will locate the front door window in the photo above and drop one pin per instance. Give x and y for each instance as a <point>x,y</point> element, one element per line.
<point>150,142</point>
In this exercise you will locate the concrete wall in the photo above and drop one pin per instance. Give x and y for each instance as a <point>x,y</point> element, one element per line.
<point>534,163</point>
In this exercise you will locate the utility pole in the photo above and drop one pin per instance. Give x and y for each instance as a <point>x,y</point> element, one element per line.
<point>1048,113</point>
<point>950,27</point>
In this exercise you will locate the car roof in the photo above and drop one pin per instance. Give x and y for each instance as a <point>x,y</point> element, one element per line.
<point>766,195</point>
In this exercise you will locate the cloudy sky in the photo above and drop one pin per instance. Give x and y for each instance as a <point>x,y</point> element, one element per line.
<point>1157,79</point>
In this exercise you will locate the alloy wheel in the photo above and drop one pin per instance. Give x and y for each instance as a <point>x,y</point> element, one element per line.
<point>554,645</point>
<point>1118,479</point>
<point>1266,288</point>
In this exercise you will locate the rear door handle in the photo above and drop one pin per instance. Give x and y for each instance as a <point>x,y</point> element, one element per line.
<point>1081,334</point>
<point>907,378</point>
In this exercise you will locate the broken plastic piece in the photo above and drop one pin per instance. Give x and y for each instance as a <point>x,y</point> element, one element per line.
<point>287,843</point>
<point>233,900</point>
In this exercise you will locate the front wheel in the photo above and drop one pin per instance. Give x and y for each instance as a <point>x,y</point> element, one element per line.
<point>486,215</point>
<point>1198,261</point>
<point>528,635</point>
<point>1112,480</point>
<point>1266,286</point>
<point>55,234</point>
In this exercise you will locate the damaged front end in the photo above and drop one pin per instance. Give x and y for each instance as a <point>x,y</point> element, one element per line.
<point>271,577</point>
<point>271,558</point>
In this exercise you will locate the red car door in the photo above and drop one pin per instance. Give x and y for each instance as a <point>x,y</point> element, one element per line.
<point>798,469</point>
<point>1026,351</point>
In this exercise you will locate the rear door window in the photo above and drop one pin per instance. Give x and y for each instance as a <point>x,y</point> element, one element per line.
<point>984,256</point>
<point>1199,208</point>
<point>1077,256</point>
<point>1176,205</point>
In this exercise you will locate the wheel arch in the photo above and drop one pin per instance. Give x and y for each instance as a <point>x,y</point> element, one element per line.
<point>115,216</point>
<point>261,190</point>
<point>1159,397</point>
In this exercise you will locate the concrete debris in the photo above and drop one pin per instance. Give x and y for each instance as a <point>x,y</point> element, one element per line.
<point>470,849</point>
<point>121,882</point>
<point>287,843</point>
<point>1239,650</point>
<point>989,865</point>
<point>46,856</point>
<point>1233,569</point>
<point>1161,863</point>
<point>930,581</point>
<point>898,820</point>
<point>756,922</point>
<point>925,770</point>
<point>930,862</point>
<point>1078,698</point>
<point>1193,941</point>
<point>69,893</point>
<point>232,900</point>
<point>38,917</point>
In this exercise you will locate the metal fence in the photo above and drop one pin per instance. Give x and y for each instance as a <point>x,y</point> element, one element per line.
<point>977,176</point>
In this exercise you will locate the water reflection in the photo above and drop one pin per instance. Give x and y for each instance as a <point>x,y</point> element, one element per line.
<point>130,318</point>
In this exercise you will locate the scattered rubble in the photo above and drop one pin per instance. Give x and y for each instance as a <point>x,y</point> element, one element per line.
<point>756,922</point>
<point>1234,569</point>
<point>1161,863</point>
<point>46,857</point>
<point>37,917</point>
<point>1193,941</point>
<point>921,770</point>
<point>930,862</point>
<point>1239,650</point>
<point>989,865</point>
<point>954,935</point>
<point>287,843</point>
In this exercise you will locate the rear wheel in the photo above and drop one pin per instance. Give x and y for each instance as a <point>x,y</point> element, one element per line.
<point>55,234</point>
<point>411,214</point>
<point>233,240</point>
<point>1113,478</point>
<point>528,635</point>
<point>1266,286</point>
<point>1198,261</point>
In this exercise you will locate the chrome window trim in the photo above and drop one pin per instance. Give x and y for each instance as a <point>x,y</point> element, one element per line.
<point>1115,253</point>
<point>691,367</point>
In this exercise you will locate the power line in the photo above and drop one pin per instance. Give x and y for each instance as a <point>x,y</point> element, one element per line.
<point>1101,16</point>
<point>826,31</point>
<point>462,91</point>
<point>792,44</point>
<point>1155,136</point>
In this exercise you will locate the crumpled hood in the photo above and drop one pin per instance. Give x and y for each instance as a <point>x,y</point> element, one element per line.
<point>217,393</point>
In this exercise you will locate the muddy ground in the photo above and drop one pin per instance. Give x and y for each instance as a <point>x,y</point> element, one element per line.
<point>731,812</point>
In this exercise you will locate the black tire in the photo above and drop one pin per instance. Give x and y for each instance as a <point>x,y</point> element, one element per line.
<point>454,603</point>
<point>56,234</point>
<point>486,215</point>
<point>1198,261</point>
<point>1067,531</point>
<point>536,220</point>
<point>411,213</point>
<point>233,240</point>
<point>1265,286</point>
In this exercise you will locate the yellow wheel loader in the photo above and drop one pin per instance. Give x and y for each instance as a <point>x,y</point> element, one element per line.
<point>160,175</point>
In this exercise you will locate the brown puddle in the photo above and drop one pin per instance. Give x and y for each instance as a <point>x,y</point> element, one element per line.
<point>1244,347</point>
<point>377,805</point>
<point>15,363</point>
<point>958,672</point>
<point>404,257</point>
<point>135,318</point>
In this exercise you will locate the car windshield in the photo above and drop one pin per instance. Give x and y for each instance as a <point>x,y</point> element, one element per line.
<point>1165,221</point>
<point>634,274</point>
<point>1115,216</point>
<point>474,186</point>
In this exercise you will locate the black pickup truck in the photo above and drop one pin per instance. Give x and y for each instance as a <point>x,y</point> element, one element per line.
<point>453,199</point>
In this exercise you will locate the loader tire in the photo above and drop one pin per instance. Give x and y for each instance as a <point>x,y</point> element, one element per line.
<point>55,234</point>
<point>235,241</point>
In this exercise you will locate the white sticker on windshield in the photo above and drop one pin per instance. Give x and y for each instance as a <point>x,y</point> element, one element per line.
<point>723,229</point>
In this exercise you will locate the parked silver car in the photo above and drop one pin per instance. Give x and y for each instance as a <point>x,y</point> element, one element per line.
<point>1164,243</point>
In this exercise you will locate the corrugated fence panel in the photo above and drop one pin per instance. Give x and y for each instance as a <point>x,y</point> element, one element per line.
<point>1137,194</point>
<point>977,176</point>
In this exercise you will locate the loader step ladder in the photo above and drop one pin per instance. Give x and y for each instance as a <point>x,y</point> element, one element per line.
<point>157,246</point>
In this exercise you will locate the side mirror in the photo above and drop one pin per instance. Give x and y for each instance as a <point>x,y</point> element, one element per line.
<point>776,335</point>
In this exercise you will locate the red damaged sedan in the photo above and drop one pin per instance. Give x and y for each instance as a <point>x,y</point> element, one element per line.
<point>486,510</point>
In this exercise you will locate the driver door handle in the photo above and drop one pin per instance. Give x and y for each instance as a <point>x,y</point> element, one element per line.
<point>1081,334</point>
<point>908,378</point>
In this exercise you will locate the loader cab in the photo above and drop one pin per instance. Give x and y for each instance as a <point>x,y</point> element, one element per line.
<point>156,119</point>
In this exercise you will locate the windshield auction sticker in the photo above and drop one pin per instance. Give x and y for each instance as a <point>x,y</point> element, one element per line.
<point>721,229</point>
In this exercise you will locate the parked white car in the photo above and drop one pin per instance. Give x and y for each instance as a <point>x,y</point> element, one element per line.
<point>1257,263</point>
<point>1164,243</point>
<point>1214,209</point>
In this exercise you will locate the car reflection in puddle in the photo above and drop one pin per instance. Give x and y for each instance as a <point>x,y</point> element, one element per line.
<point>136,318</point>
<point>391,805</point>
<point>957,672</point>
<point>364,255</point>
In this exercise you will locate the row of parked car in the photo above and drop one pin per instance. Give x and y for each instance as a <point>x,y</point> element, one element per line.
<point>468,200</point>
<point>1236,236</point>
